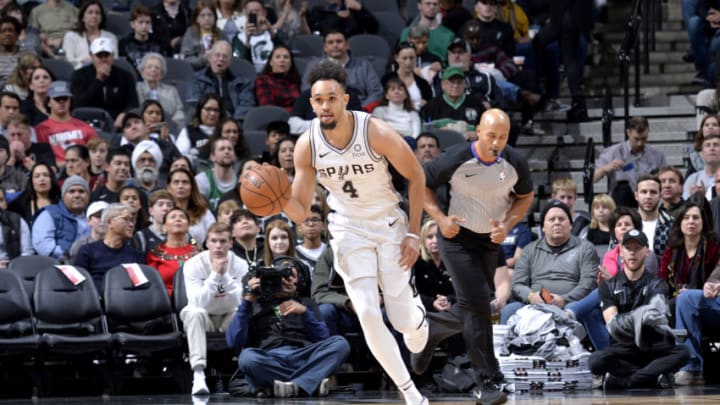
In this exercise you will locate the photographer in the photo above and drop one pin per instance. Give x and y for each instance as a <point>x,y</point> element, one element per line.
<point>287,348</point>
<point>213,280</point>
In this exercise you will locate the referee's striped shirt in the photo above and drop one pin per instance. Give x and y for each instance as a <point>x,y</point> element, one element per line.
<point>478,191</point>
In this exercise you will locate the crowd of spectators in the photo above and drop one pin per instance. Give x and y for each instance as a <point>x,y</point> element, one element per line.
<point>160,183</point>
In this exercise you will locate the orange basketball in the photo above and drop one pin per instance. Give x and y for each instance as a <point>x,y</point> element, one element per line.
<point>265,190</point>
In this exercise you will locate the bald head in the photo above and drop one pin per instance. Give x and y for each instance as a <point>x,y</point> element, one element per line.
<point>492,131</point>
<point>494,116</point>
<point>220,57</point>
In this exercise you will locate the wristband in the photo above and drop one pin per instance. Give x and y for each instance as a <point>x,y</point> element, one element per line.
<point>412,235</point>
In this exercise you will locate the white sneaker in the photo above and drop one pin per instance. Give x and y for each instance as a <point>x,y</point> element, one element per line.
<point>689,378</point>
<point>324,388</point>
<point>199,387</point>
<point>282,389</point>
<point>416,340</point>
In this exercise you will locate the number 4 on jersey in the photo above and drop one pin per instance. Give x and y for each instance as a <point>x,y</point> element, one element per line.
<point>350,189</point>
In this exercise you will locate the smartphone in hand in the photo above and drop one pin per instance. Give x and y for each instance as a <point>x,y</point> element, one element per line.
<point>545,295</point>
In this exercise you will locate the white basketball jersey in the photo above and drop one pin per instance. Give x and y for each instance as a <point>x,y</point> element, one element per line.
<point>358,180</point>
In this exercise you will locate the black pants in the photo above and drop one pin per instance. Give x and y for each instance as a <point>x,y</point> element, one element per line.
<point>471,260</point>
<point>639,367</point>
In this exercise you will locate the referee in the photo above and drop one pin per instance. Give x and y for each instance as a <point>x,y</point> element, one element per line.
<point>488,190</point>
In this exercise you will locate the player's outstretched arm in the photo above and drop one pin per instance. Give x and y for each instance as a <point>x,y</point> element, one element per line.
<point>303,186</point>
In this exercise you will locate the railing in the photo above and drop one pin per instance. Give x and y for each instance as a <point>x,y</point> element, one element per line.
<point>645,13</point>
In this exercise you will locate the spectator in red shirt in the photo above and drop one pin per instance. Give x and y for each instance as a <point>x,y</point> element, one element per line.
<point>61,130</point>
<point>171,255</point>
<point>279,82</point>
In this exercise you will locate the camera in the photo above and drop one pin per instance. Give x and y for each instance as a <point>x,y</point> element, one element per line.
<point>271,278</point>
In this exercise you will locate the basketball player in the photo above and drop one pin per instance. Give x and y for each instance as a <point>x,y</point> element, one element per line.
<point>488,191</point>
<point>373,241</point>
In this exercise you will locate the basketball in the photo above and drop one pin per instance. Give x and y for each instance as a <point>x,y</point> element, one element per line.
<point>265,190</point>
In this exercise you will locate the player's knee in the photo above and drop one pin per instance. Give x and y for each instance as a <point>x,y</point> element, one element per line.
<point>369,315</point>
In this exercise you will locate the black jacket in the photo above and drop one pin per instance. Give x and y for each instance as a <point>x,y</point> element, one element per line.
<point>116,94</point>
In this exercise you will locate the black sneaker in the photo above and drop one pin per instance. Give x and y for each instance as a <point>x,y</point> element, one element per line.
<point>489,394</point>
<point>610,382</point>
<point>665,381</point>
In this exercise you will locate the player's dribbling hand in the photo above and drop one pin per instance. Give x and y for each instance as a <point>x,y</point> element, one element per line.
<point>409,252</point>
<point>498,232</point>
<point>449,227</point>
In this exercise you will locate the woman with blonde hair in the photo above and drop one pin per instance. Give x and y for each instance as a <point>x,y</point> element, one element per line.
<point>431,278</point>
<point>18,81</point>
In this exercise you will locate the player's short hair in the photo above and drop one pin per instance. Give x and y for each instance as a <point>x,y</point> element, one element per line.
<point>328,70</point>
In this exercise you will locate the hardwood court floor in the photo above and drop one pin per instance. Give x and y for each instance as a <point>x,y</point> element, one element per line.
<point>696,395</point>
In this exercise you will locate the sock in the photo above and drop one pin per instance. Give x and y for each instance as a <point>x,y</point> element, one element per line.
<point>410,393</point>
<point>199,373</point>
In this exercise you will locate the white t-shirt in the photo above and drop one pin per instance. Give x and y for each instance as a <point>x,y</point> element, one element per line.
<point>649,230</point>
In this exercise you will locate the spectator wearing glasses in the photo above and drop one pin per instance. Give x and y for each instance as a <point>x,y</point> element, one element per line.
<point>312,230</point>
<point>115,248</point>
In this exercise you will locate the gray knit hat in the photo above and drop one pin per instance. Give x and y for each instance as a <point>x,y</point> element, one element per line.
<point>74,180</point>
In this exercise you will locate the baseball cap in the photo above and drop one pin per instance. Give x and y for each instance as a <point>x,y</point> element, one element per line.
<point>101,44</point>
<point>59,89</point>
<point>451,72</point>
<point>95,208</point>
<point>134,113</point>
<point>637,236</point>
<point>458,43</point>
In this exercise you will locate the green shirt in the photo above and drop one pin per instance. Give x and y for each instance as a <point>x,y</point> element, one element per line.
<point>438,41</point>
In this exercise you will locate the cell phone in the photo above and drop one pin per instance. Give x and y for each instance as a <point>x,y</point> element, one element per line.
<point>252,18</point>
<point>545,295</point>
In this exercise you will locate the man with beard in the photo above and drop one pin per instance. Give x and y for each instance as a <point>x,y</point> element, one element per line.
<point>135,131</point>
<point>59,225</point>
<point>146,159</point>
<point>656,223</point>
<point>221,178</point>
<point>118,172</point>
<point>639,355</point>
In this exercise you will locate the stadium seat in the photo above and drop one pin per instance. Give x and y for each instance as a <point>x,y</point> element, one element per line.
<point>411,10</point>
<point>69,316</point>
<point>243,68</point>
<point>27,267</point>
<point>447,138</point>
<point>390,27</point>
<point>301,64</point>
<point>125,65</point>
<point>118,22</point>
<point>140,319</point>
<point>255,141</point>
<point>307,45</point>
<point>18,334</point>
<point>378,64</point>
<point>60,68</point>
<point>258,118</point>
<point>96,117</point>
<point>387,6</point>
<point>178,71</point>
<point>369,45</point>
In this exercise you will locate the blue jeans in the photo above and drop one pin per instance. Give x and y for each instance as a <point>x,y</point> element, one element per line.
<point>587,312</point>
<point>305,366</point>
<point>692,311</point>
<point>509,310</point>
<point>339,321</point>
